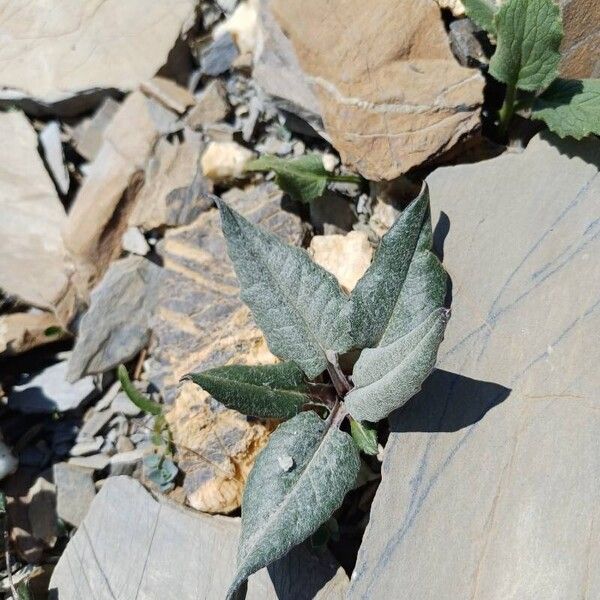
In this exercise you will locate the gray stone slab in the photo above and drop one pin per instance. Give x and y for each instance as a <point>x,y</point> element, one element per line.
<point>219,55</point>
<point>75,491</point>
<point>132,546</point>
<point>490,480</point>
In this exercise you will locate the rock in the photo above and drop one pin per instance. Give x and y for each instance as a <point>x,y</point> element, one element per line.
<point>579,49</point>
<point>219,56</point>
<point>124,463</point>
<point>466,43</point>
<point>55,159</point>
<point>146,547</point>
<point>454,6</point>
<point>99,214</point>
<point>64,58</point>
<point>95,462</point>
<point>123,405</point>
<point>277,71</point>
<point>94,425</point>
<point>174,187</point>
<point>168,93</point>
<point>345,256</point>
<point>75,491</point>
<point>388,102</point>
<point>41,511</point>
<point>124,444</point>
<point>32,219</point>
<point>49,391</point>
<point>88,135</point>
<point>223,161</point>
<point>20,332</point>
<point>8,463</point>
<point>499,467</point>
<point>210,107</point>
<point>87,446</point>
<point>216,449</point>
<point>116,326</point>
<point>133,241</point>
<point>331,213</point>
<point>205,324</point>
<point>241,25</point>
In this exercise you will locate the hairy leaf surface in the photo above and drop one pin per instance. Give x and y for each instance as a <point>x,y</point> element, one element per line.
<point>365,437</point>
<point>304,178</point>
<point>388,376</point>
<point>482,13</point>
<point>283,506</point>
<point>267,391</point>
<point>298,305</point>
<point>404,283</point>
<point>570,107</point>
<point>529,33</point>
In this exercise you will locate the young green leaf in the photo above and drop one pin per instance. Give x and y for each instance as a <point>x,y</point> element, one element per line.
<point>482,13</point>
<point>303,178</point>
<point>529,33</point>
<point>365,437</point>
<point>297,482</point>
<point>141,401</point>
<point>267,391</point>
<point>570,107</point>
<point>298,305</point>
<point>388,376</point>
<point>404,283</point>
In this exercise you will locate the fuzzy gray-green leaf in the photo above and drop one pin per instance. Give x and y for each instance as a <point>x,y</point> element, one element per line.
<point>387,377</point>
<point>570,107</point>
<point>283,506</point>
<point>304,178</point>
<point>482,13</point>
<point>529,33</point>
<point>298,305</point>
<point>404,283</point>
<point>266,391</point>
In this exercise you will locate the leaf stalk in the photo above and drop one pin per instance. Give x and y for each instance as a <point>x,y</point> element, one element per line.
<point>508,108</point>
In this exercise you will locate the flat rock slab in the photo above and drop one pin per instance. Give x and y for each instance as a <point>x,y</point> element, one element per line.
<point>75,491</point>
<point>117,325</point>
<point>132,546</point>
<point>390,91</point>
<point>54,53</point>
<point>49,391</point>
<point>489,485</point>
<point>33,263</point>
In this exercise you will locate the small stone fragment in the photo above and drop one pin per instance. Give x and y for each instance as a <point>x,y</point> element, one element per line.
<point>75,491</point>
<point>95,462</point>
<point>211,106</point>
<point>94,425</point>
<point>125,463</point>
<point>219,56</point>
<point>285,462</point>
<point>49,391</point>
<point>465,41</point>
<point>168,93</point>
<point>86,447</point>
<point>41,511</point>
<point>242,25</point>
<point>8,463</point>
<point>134,241</point>
<point>55,158</point>
<point>124,444</point>
<point>345,256</point>
<point>89,134</point>
<point>223,161</point>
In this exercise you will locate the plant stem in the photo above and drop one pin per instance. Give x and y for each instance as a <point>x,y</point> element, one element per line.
<point>338,414</point>
<point>508,108</point>
<point>357,179</point>
<point>341,384</point>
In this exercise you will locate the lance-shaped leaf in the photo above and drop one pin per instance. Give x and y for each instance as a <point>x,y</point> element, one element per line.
<point>570,107</point>
<point>365,437</point>
<point>482,13</point>
<point>298,305</point>
<point>404,283</point>
<point>297,482</point>
<point>388,376</point>
<point>529,33</point>
<point>266,391</point>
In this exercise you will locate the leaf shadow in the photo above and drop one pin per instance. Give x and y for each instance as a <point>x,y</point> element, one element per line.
<point>448,402</point>
<point>587,149</point>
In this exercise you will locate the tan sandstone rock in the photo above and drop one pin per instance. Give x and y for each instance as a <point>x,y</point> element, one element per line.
<point>391,93</point>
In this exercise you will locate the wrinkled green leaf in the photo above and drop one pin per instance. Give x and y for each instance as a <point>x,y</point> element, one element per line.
<point>529,33</point>
<point>303,178</point>
<point>298,305</point>
<point>267,391</point>
<point>53,330</point>
<point>141,401</point>
<point>365,437</point>
<point>570,107</point>
<point>482,13</point>
<point>388,376</point>
<point>404,283</point>
<point>282,507</point>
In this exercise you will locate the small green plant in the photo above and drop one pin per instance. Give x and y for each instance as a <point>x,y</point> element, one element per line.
<point>158,467</point>
<point>304,178</point>
<point>528,34</point>
<point>395,315</point>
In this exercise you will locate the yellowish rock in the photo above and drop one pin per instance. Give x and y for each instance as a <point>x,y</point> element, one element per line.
<point>242,25</point>
<point>223,161</point>
<point>345,256</point>
<point>456,7</point>
<point>20,332</point>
